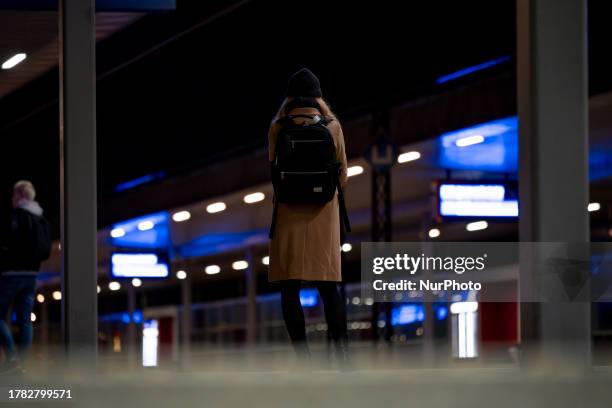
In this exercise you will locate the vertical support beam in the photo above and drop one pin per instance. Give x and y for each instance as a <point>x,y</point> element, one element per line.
<point>553,158</point>
<point>251,306</point>
<point>77,64</point>
<point>428,299</point>
<point>381,156</point>
<point>44,326</point>
<point>131,329</point>
<point>186,320</point>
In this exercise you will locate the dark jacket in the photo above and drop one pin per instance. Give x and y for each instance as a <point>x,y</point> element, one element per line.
<point>24,240</point>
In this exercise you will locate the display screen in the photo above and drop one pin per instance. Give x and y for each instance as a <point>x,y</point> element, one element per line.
<point>477,200</point>
<point>139,265</point>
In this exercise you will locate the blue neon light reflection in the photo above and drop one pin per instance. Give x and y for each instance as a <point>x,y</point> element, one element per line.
<point>407,314</point>
<point>126,185</point>
<point>472,69</point>
<point>498,152</point>
<point>154,238</point>
<point>309,297</point>
<point>441,312</point>
<point>214,243</point>
<point>122,317</point>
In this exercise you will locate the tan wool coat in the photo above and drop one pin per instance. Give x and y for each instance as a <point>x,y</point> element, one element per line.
<point>306,239</point>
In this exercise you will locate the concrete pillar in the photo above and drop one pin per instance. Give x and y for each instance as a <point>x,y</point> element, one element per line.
<point>553,160</point>
<point>77,62</point>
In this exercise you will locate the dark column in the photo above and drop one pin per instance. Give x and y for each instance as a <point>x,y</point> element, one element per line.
<point>131,329</point>
<point>251,306</point>
<point>381,157</point>
<point>78,177</point>
<point>186,320</point>
<point>553,155</point>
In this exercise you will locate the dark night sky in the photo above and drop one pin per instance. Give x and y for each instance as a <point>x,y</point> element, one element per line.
<point>213,91</point>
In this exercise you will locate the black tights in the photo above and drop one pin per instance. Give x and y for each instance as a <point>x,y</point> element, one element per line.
<point>333,303</point>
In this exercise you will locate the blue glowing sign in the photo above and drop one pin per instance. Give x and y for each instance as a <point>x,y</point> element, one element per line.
<point>150,231</point>
<point>490,146</point>
<point>407,314</point>
<point>477,200</point>
<point>140,265</point>
<point>441,312</point>
<point>122,317</point>
<point>309,297</point>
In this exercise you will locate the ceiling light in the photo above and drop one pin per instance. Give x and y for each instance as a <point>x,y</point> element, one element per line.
<point>57,295</point>
<point>40,298</point>
<point>434,233</point>
<point>181,216</point>
<point>592,207</point>
<point>136,282</point>
<point>240,265</point>
<point>265,260</point>
<point>32,317</point>
<point>14,60</point>
<point>463,307</point>
<point>117,232</point>
<point>469,140</point>
<point>477,226</point>
<point>146,225</point>
<point>212,269</point>
<point>99,289</point>
<point>181,275</point>
<point>354,171</point>
<point>254,197</point>
<point>215,207</point>
<point>346,247</point>
<point>408,157</point>
<point>114,285</point>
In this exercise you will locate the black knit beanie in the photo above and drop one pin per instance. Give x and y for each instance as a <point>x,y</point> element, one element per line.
<point>304,83</point>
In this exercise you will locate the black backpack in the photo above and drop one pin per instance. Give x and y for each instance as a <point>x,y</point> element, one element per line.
<point>305,169</point>
<point>35,242</point>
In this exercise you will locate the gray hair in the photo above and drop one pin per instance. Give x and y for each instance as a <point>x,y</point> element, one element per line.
<point>25,188</point>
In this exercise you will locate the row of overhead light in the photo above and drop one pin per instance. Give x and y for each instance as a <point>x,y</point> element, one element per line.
<point>238,265</point>
<point>219,206</point>
<point>482,225</point>
<point>401,159</point>
<point>184,215</point>
<point>113,286</point>
<point>251,198</point>
<point>434,233</point>
<point>242,264</point>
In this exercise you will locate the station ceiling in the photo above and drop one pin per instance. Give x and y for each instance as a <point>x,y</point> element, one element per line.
<point>179,90</point>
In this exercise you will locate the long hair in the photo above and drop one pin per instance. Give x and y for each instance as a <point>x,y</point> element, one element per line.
<point>325,109</point>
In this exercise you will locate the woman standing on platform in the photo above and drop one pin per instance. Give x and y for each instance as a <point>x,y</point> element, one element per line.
<point>305,245</point>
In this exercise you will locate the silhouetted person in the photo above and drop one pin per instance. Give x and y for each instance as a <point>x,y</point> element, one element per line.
<point>24,243</point>
<point>308,161</point>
